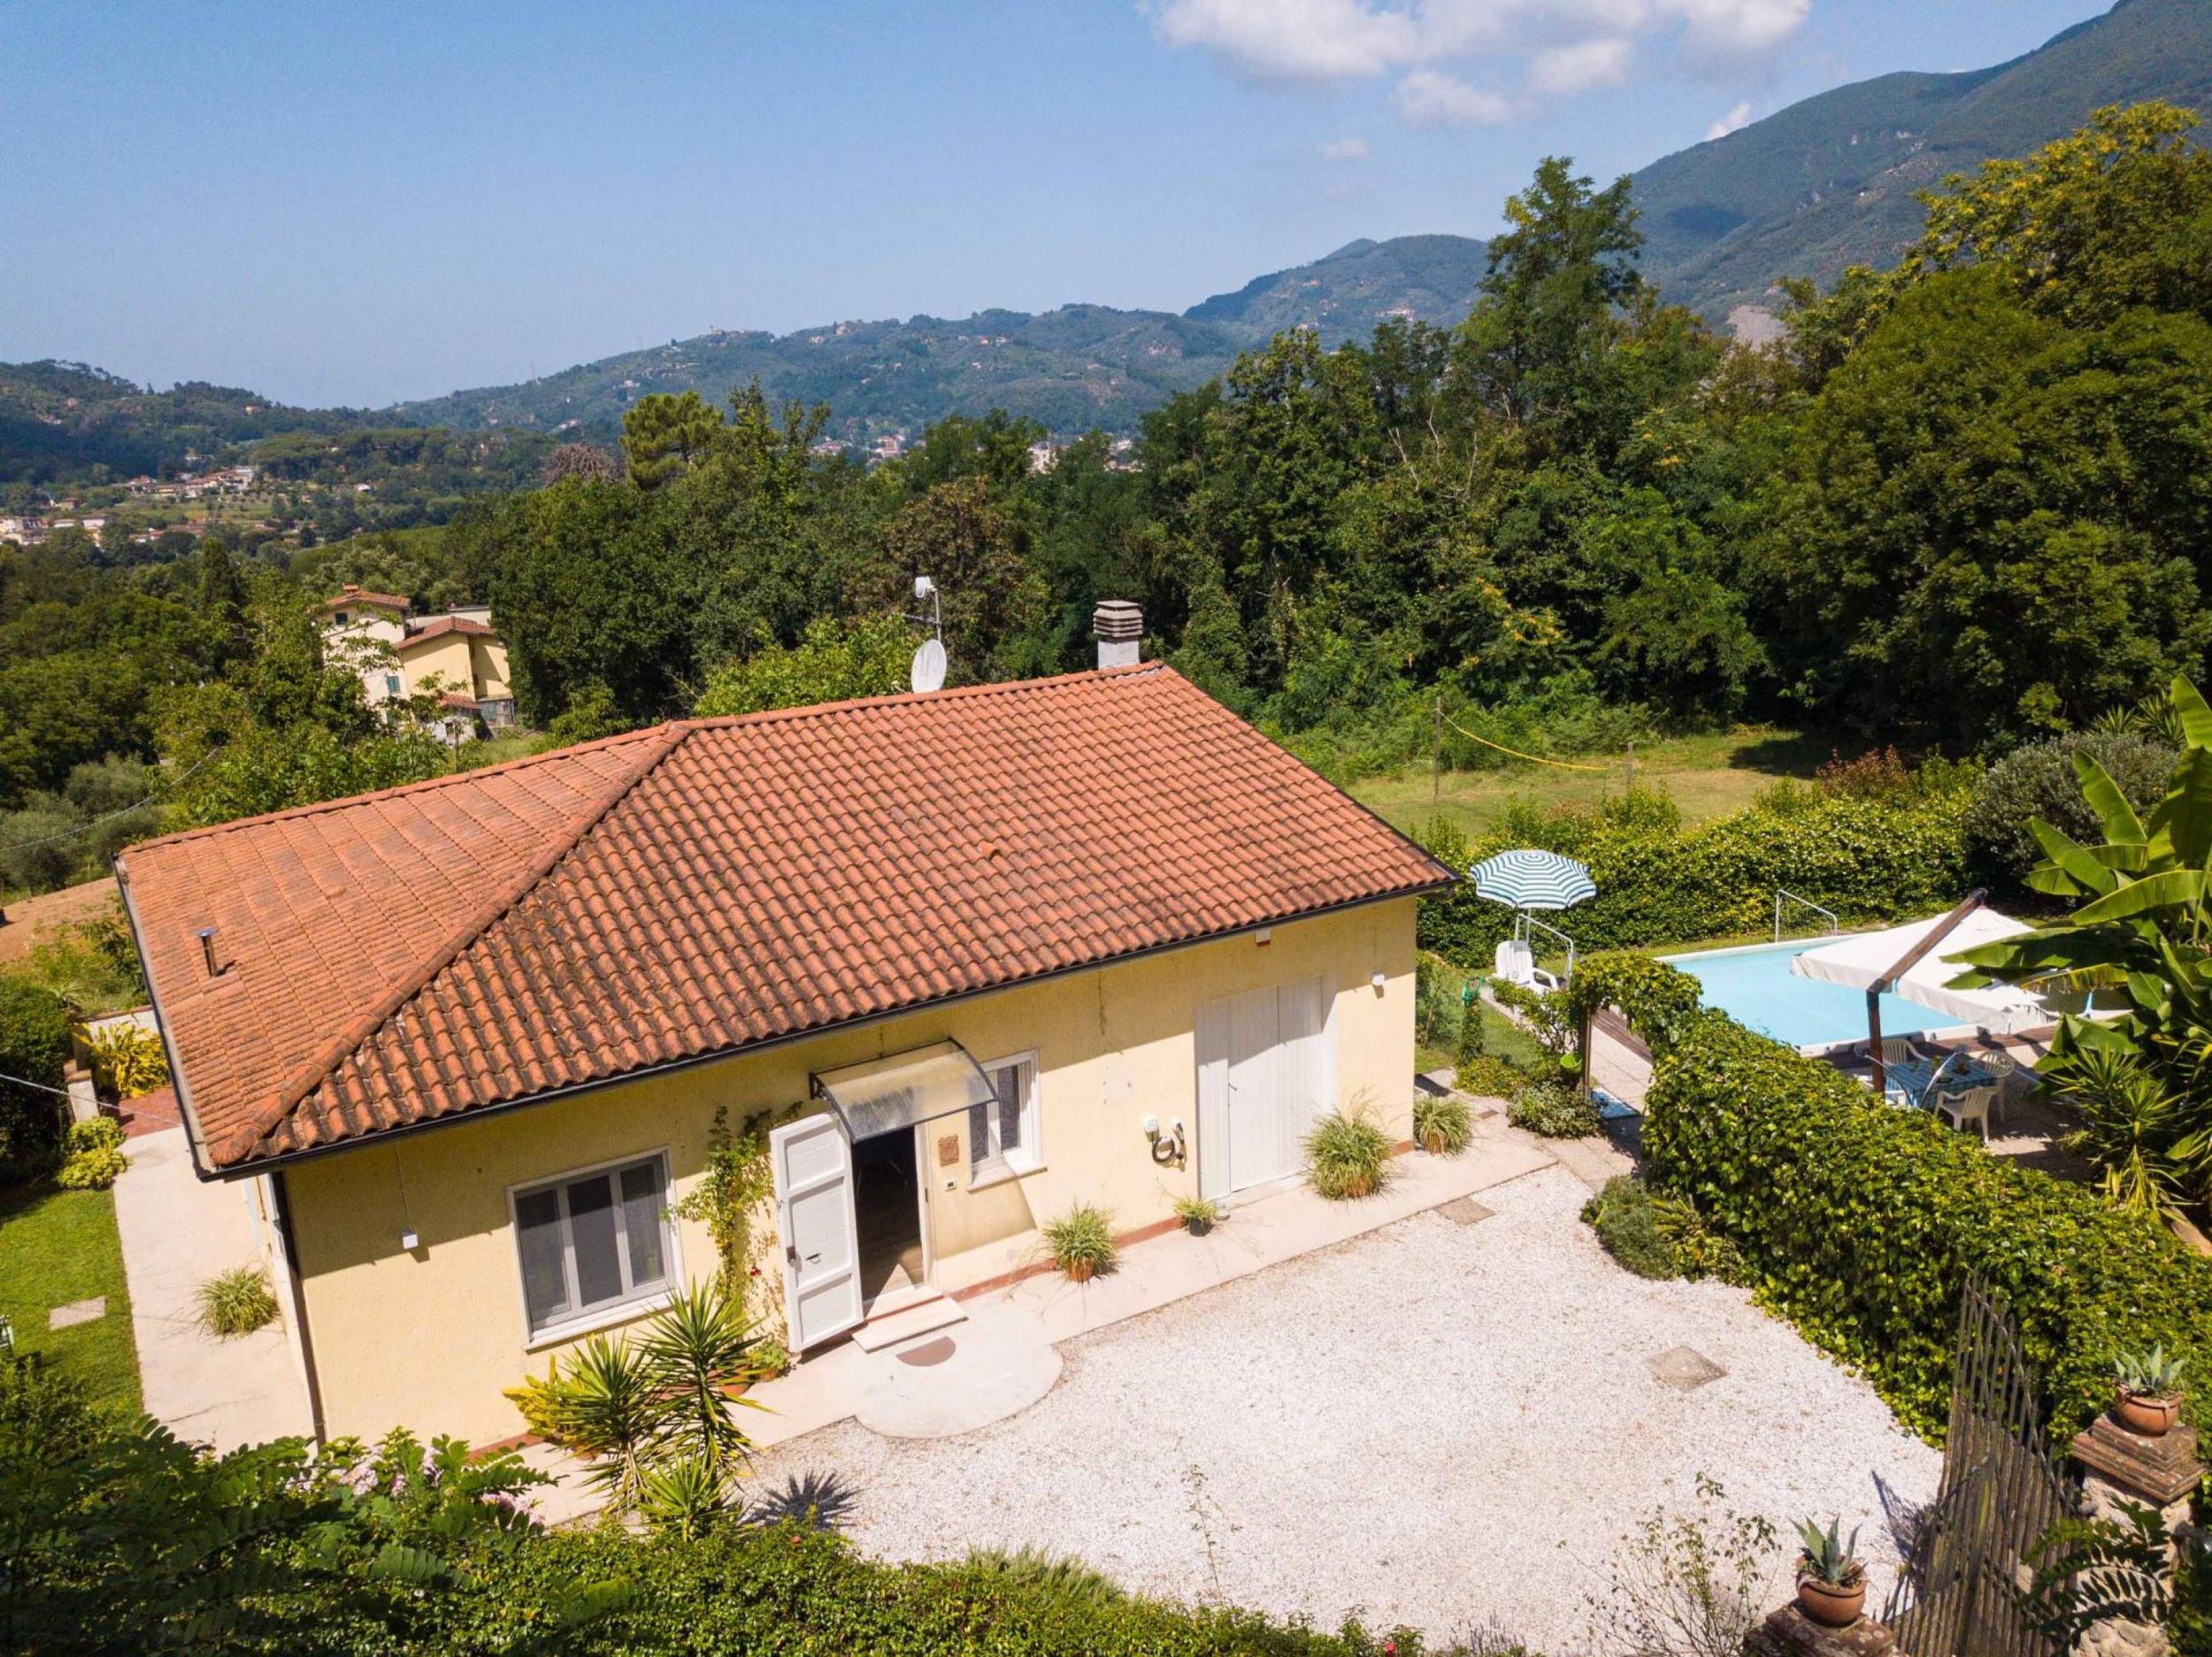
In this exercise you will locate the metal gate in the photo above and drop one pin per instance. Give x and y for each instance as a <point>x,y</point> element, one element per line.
<point>1959,1595</point>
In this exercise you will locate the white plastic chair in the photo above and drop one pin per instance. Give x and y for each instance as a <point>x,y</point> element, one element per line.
<point>1968,1104</point>
<point>1516,964</point>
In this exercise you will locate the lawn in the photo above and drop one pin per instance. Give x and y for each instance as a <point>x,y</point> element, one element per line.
<point>1708,777</point>
<point>58,1246</point>
<point>1501,1035</point>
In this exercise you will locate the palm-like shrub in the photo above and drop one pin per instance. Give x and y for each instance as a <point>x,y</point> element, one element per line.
<point>1081,1242</point>
<point>1347,1155</point>
<point>653,1417</point>
<point>2149,1147</point>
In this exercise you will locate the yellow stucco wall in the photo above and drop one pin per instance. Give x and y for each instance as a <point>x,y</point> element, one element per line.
<point>429,1339</point>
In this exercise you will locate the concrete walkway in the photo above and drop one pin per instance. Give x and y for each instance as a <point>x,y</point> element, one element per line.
<point>178,1231</point>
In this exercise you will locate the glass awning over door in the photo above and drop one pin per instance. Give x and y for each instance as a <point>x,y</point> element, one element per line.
<point>902,1089</point>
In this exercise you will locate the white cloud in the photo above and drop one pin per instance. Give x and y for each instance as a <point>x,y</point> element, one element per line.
<point>1352,149</point>
<point>1441,51</point>
<point>1577,68</point>
<point>1737,28</point>
<point>1736,118</point>
<point>1292,40</point>
<point>1428,97</point>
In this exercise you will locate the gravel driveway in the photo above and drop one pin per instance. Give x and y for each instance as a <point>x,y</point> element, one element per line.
<point>1439,1425</point>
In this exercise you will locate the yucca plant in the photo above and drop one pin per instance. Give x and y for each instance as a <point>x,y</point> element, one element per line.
<point>2143,1138</point>
<point>686,1498</point>
<point>1347,1155</point>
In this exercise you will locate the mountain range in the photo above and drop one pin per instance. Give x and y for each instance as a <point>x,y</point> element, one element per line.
<point>1820,185</point>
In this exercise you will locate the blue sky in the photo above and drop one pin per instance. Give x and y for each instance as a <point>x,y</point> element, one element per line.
<point>362,204</point>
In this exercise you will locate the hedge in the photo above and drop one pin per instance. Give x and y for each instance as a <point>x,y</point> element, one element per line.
<point>1859,1222</point>
<point>34,1046</point>
<point>1865,858</point>
<point>791,1591</point>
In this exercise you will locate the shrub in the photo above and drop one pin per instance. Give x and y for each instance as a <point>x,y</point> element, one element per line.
<point>1554,1109</point>
<point>128,1060</point>
<point>1859,1223</point>
<point>1694,1584</point>
<point>100,1133</point>
<point>1348,1156</point>
<point>236,1302</point>
<point>95,1158</point>
<point>1625,1215</point>
<point>34,1048</point>
<point>1199,1214</point>
<point>1471,1043</point>
<point>1490,1077</point>
<point>1081,1242</point>
<point>2038,780</point>
<point>1442,1126</point>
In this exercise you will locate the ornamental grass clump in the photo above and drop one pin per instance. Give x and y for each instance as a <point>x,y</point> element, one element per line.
<point>1081,1242</point>
<point>1348,1156</point>
<point>236,1302</point>
<point>1442,1127</point>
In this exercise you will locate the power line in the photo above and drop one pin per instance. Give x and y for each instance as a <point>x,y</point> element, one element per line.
<point>1536,758</point>
<point>106,817</point>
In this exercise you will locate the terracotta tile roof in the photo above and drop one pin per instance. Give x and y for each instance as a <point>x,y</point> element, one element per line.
<point>442,626</point>
<point>675,894</point>
<point>351,595</point>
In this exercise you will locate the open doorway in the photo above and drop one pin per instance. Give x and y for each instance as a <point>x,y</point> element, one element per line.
<point>888,1216</point>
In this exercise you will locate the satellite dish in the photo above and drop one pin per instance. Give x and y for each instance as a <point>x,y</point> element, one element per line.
<point>928,672</point>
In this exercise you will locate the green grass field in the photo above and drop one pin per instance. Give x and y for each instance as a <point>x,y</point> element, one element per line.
<point>56,1247</point>
<point>1708,775</point>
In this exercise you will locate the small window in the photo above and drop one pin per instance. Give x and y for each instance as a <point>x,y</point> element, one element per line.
<point>391,683</point>
<point>341,619</point>
<point>593,1242</point>
<point>1003,1135</point>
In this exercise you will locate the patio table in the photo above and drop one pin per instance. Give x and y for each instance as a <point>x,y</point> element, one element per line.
<point>1913,1077</point>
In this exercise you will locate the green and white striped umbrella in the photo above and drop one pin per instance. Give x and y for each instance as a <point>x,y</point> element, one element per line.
<point>1532,880</point>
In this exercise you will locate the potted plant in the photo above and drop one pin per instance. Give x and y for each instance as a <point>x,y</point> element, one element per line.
<point>1348,1156</point>
<point>1081,1243</point>
<point>1199,1214</point>
<point>1441,1127</point>
<point>1831,1581</point>
<point>2149,1393</point>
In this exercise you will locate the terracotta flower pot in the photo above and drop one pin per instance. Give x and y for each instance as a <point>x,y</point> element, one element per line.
<point>1078,1270</point>
<point>2152,1418</point>
<point>1359,1185</point>
<point>1432,1142</point>
<point>1832,1605</point>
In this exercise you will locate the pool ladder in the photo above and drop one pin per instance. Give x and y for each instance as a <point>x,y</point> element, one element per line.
<point>1781,896</point>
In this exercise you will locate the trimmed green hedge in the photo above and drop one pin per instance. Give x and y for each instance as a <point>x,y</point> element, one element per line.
<point>1865,858</point>
<point>34,1045</point>
<point>1859,1221</point>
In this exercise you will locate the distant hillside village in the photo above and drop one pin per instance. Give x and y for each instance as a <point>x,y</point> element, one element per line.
<point>31,528</point>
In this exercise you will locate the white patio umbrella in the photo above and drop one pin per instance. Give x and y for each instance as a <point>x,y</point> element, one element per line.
<point>1532,880</point>
<point>1862,959</point>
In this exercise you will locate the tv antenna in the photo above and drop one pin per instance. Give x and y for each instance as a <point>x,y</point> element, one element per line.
<point>928,672</point>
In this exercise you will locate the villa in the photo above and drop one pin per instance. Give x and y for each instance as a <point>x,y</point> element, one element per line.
<point>399,655</point>
<point>968,958</point>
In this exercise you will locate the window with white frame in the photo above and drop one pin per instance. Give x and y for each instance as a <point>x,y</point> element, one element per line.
<point>1003,1135</point>
<point>592,1242</point>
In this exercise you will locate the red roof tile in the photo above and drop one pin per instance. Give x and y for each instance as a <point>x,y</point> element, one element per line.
<point>442,626</point>
<point>351,595</point>
<point>411,956</point>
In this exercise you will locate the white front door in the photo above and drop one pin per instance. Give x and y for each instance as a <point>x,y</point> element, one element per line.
<point>812,1164</point>
<point>1263,1074</point>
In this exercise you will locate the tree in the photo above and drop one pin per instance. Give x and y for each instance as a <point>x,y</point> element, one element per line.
<point>835,661</point>
<point>998,610</point>
<point>587,461</point>
<point>662,435</point>
<point>35,1045</point>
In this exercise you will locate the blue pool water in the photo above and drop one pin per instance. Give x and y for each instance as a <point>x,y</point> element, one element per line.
<point>1756,987</point>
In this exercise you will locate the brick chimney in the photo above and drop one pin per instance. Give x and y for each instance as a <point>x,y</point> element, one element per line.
<point>1119,625</point>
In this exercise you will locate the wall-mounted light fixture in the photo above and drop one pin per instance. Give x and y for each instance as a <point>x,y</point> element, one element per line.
<point>1381,981</point>
<point>408,1242</point>
<point>1264,936</point>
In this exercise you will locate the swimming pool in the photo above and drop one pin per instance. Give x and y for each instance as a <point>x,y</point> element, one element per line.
<point>1756,987</point>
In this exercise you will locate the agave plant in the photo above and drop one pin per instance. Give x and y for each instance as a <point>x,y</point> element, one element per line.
<point>2149,1374</point>
<point>1826,1557</point>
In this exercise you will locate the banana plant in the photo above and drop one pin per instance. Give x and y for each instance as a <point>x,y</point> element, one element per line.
<point>2142,929</point>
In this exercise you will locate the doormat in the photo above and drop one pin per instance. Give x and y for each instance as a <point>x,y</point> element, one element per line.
<point>928,1354</point>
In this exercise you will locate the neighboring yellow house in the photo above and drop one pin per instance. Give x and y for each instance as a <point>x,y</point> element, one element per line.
<point>968,959</point>
<point>399,655</point>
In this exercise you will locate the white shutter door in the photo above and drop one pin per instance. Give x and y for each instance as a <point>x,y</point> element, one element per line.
<point>812,1164</point>
<point>1309,1082</point>
<point>1257,1150</point>
<point>1210,1029</point>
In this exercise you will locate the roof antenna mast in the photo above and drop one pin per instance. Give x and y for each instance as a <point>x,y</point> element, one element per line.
<point>928,672</point>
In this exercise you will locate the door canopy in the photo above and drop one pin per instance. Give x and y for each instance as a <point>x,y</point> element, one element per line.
<point>902,1089</point>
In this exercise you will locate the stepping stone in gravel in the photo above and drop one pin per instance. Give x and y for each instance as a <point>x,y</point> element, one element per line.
<point>77,1312</point>
<point>1685,1369</point>
<point>1465,1211</point>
